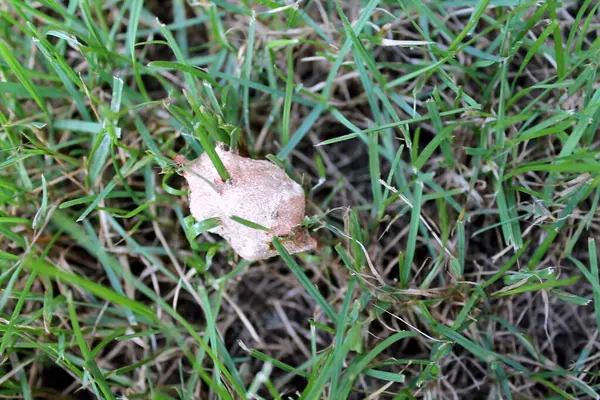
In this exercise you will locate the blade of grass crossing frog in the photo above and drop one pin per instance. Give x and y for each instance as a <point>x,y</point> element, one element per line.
<point>209,147</point>
<point>85,351</point>
<point>247,74</point>
<point>248,223</point>
<point>16,68</point>
<point>304,280</point>
<point>193,229</point>
<point>412,234</point>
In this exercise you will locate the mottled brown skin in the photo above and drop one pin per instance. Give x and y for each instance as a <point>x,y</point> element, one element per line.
<point>258,191</point>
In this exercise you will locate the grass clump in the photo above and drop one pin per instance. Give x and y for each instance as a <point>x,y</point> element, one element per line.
<point>449,153</point>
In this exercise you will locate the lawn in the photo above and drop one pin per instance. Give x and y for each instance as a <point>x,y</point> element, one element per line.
<point>449,154</point>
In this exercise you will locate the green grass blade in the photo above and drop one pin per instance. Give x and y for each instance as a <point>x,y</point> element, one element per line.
<point>306,283</point>
<point>412,234</point>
